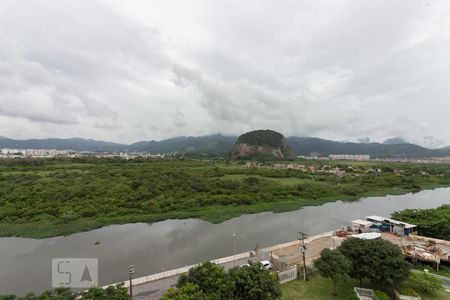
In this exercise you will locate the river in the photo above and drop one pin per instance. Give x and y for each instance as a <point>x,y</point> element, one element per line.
<point>25,264</point>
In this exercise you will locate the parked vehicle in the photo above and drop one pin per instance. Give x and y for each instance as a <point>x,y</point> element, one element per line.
<point>266,264</point>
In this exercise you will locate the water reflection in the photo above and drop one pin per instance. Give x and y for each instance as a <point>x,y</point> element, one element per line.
<point>25,264</point>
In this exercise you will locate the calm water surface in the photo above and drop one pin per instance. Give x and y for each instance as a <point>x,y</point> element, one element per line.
<point>25,264</point>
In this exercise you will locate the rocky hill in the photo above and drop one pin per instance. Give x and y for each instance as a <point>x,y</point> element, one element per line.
<point>267,144</point>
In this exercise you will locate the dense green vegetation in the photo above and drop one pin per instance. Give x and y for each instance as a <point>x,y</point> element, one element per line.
<point>379,261</point>
<point>42,198</point>
<point>433,222</point>
<point>333,264</point>
<point>112,292</point>
<point>211,282</point>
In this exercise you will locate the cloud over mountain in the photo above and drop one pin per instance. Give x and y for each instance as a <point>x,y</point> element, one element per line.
<point>134,70</point>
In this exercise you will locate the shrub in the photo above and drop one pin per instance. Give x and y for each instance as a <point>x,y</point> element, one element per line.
<point>408,292</point>
<point>425,282</point>
<point>354,296</point>
<point>382,295</point>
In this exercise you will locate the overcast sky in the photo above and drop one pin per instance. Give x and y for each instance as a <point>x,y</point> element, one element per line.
<point>139,70</point>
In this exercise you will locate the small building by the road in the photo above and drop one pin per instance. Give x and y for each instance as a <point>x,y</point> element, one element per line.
<point>361,226</point>
<point>393,226</point>
<point>368,236</point>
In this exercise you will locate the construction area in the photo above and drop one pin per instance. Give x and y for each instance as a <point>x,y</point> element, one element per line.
<point>417,248</point>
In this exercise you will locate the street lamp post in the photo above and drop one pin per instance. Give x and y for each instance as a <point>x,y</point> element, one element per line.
<point>234,249</point>
<point>333,234</point>
<point>131,272</point>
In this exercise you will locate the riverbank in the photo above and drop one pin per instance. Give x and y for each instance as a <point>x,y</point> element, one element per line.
<point>187,241</point>
<point>54,198</point>
<point>213,215</point>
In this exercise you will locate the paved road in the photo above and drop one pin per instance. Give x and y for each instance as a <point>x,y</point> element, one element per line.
<point>155,289</point>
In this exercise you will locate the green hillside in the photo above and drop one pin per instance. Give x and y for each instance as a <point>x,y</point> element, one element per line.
<point>262,138</point>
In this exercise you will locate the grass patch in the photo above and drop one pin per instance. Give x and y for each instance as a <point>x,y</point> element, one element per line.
<point>443,269</point>
<point>319,288</point>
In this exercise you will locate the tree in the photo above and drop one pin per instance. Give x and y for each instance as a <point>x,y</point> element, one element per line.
<point>210,282</point>
<point>253,282</point>
<point>378,260</point>
<point>431,222</point>
<point>58,294</point>
<point>355,251</point>
<point>333,264</point>
<point>117,292</point>
<point>188,291</point>
<point>425,282</point>
<point>388,264</point>
<point>211,279</point>
<point>8,297</point>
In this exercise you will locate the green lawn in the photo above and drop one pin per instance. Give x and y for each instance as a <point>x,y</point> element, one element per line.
<point>319,288</point>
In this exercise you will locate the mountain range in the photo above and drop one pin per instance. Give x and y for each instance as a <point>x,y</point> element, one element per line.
<point>219,144</point>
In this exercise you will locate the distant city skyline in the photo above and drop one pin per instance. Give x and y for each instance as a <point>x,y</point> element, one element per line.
<point>151,70</point>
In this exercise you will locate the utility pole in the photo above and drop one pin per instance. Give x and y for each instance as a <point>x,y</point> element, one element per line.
<point>303,250</point>
<point>131,272</point>
<point>402,226</point>
<point>234,249</point>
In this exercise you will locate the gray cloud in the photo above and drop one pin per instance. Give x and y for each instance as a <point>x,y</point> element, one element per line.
<point>126,71</point>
